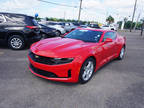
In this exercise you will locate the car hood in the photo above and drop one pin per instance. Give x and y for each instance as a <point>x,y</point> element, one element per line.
<point>60,47</point>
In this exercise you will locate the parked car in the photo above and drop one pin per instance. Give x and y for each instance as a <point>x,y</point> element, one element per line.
<point>68,26</point>
<point>18,30</point>
<point>76,56</point>
<point>94,26</point>
<point>84,26</point>
<point>60,28</point>
<point>109,27</point>
<point>48,32</point>
<point>78,24</point>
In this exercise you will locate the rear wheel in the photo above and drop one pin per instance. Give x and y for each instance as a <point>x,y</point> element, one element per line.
<point>87,70</point>
<point>16,42</point>
<point>122,53</point>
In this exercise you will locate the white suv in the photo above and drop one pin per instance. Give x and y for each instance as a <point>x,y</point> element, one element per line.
<point>109,27</point>
<point>69,26</point>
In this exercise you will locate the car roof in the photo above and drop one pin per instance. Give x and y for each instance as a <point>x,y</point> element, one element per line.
<point>15,14</point>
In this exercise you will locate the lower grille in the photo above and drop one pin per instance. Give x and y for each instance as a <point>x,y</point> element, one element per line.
<point>42,72</point>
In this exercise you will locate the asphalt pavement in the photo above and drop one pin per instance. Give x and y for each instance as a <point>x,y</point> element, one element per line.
<point>119,84</point>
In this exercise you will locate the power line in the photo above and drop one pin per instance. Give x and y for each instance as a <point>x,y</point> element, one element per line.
<point>54,3</point>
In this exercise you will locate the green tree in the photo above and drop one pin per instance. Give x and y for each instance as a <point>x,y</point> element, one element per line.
<point>128,25</point>
<point>38,19</point>
<point>110,19</point>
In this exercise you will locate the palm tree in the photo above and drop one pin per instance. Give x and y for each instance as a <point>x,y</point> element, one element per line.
<point>110,19</point>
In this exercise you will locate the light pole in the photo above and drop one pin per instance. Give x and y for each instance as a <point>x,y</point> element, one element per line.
<point>80,10</point>
<point>133,15</point>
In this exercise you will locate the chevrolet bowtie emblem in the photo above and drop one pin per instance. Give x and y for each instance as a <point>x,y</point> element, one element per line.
<point>36,56</point>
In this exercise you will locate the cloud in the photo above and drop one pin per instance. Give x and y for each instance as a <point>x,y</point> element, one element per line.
<point>117,8</point>
<point>18,4</point>
<point>96,10</point>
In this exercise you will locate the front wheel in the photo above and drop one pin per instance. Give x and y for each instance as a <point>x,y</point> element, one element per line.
<point>87,70</point>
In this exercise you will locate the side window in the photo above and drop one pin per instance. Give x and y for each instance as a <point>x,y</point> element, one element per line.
<point>111,35</point>
<point>15,18</point>
<point>106,35</point>
<point>1,18</point>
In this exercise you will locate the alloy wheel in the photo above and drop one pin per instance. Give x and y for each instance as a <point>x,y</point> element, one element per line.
<point>16,43</point>
<point>88,71</point>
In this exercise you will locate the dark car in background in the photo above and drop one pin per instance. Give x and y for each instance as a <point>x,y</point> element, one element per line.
<point>94,26</point>
<point>77,24</point>
<point>48,32</point>
<point>18,30</point>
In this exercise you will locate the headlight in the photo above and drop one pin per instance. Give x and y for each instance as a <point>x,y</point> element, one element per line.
<point>61,60</point>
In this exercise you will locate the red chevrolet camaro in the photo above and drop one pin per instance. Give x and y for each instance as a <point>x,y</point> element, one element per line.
<point>76,56</point>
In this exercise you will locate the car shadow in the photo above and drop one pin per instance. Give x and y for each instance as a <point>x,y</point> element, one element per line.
<point>58,83</point>
<point>73,84</point>
<point>105,65</point>
<point>3,45</point>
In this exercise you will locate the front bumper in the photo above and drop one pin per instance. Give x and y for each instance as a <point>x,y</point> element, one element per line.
<point>64,72</point>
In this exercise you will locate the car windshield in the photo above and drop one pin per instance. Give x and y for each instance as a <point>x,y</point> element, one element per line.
<point>61,24</point>
<point>85,35</point>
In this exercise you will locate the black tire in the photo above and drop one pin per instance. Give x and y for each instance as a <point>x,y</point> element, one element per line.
<point>58,33</point>
<point>16,46</point>
<point>121,54</point>
<point>83,80</point>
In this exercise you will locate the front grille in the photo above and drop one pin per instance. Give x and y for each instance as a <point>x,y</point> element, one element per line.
<point>41,59</point>
<point>42,72</point>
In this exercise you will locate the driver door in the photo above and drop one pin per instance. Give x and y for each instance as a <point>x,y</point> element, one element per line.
<point>109,48</point>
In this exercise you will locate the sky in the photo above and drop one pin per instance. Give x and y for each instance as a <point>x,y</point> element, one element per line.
<point>92,10</point>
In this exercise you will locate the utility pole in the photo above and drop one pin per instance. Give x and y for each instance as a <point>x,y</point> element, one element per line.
<point>133,15</point>
<point>137,21</point>
<point>64,15</point>
<point>80,10</point>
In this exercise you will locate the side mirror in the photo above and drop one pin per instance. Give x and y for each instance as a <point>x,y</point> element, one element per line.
<point>108,40</point>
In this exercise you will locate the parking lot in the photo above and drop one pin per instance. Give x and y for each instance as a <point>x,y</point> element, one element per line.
<point>119,84</point>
